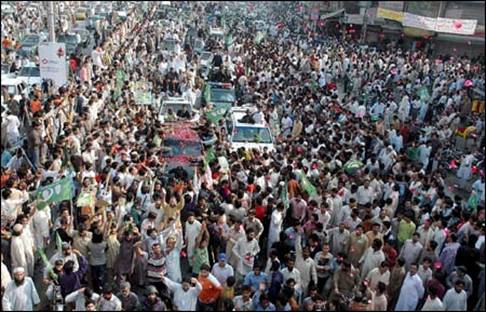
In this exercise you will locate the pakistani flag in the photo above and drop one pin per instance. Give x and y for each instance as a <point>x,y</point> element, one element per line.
<point>56,192</point>
<point>352,166</point>
<point>86,199</point>
<point>46,262</point>
<point>307,185</point>
<point>210,155</point>
<point>58,242</point>
<point>217,113</point>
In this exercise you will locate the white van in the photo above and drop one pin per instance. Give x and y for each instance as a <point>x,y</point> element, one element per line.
<point>176,105</point>
<point>248,135</point>
<point>15,87</point>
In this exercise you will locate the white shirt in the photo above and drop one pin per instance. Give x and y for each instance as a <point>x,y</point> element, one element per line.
<point>184,300</point>
<point>80,300</point>
<point>222,273</point>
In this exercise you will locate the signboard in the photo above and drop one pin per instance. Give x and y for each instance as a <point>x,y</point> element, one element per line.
<point>418,21</point>
<point>53,65</point>
<point>390,14</point>
<point>456,26</point>
<point>442,25</point>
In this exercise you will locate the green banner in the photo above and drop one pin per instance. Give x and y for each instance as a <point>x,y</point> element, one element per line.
<point>217,113</point>
<point>210,155</point>
<point>307,185</point>
<point>86,200</point>
<point>56,192</point>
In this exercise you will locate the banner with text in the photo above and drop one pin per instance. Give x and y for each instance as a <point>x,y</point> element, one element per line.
<point>456,26</point>
<point>52,62</point>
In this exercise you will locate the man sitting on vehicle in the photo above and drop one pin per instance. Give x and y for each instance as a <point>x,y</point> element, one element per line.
<point>184,113</point>
<point>248,118</point>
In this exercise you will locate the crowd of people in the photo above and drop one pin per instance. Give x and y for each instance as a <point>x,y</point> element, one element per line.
<point>353,211</point>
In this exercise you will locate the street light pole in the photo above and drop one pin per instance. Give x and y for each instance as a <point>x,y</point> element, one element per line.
<point>365,24</point>
<point>50,21</point>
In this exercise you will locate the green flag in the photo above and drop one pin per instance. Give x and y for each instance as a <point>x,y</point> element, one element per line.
<point>46,262</point>
<point>58,242</point>
<point>307,185</point>
<point>56,192</point>
<point>284,195</point>
<point>86,199</point>
<point>210,155</point>
<point>217,113</point>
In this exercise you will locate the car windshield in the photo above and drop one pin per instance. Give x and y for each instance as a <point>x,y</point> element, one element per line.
<point>67,39</point>
<point>252,135</point>
<point>30,40</point>
<point>206,56</point>
<point>175,107</point>
<point>180,147</point>
<point>222,95</point>
<point>168,45</point>
<point>29,72</point>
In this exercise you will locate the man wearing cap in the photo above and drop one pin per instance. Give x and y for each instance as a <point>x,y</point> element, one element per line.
<point>153,302</point>
<point>18,253</point>
<point>65,255</point>
<point>20,294</point>
<point>222,270</point>
<point>128,298</point>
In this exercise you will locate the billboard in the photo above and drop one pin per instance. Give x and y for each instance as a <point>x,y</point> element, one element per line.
<point>52,62</point>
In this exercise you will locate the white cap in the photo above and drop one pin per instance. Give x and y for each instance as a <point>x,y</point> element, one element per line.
<point>18,227</point>
<point>18,270</point>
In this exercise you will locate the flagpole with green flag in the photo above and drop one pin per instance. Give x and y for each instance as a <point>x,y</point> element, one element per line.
<point>307,185</point>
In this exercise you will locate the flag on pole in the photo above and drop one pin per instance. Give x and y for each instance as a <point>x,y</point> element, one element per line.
<point>46,262</point>
<point>210,155</point>
<point>307,185</point>
<point>56,192</point>
<point>58,242</point>
<point>217,113</point>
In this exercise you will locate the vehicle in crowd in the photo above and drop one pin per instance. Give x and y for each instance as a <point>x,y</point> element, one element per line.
<point>81,16</point>
<point>92,21</point>
<point>15,87</point>
<point>30,74</point>
<point>219,95</point>
<point>242,133</point>
<point>179,108</point>
<point>71,42</point>
<point>182,149</point>
<point>7,9</point>
<point>198,46</point>
<point>85,36</point>
<point>6,69</point>
<point>216,33</point>
<point>170,46</point>
<point>206,58</point>
<point>28,45</point>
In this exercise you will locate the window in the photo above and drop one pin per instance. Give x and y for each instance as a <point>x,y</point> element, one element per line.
<point>465,10</point>
<point>222,95</point>
<point>179,147</point>
<point>252,135</point>
<point>424,8</point>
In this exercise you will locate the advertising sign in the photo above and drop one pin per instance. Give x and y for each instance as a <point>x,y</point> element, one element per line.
<point>390,14</point>
<point>456,26</point>
<point>52,59</point>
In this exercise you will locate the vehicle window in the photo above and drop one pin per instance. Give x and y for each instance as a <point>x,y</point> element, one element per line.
<point>175,108</point>
<point>252,135</point>
<point>168,45</point>
<point>180,147</point>
<point>30,72</point>
<point>220,95</point>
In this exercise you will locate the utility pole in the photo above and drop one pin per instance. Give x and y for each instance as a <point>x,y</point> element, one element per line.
<point>365,24</point>
<point>50,21</point>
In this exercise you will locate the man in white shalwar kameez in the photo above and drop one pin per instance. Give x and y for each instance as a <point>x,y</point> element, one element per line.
<point>193,228</point>
<point>20,294</point>
<point>245,249</point>
<point>404,109</point>
<point>411,292</point>
<point>276,222</point>
<point>41,222</point>
<point>18,252</point>
<point>464,171</point>
<point>30,248</point>
<point>6,278</point>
